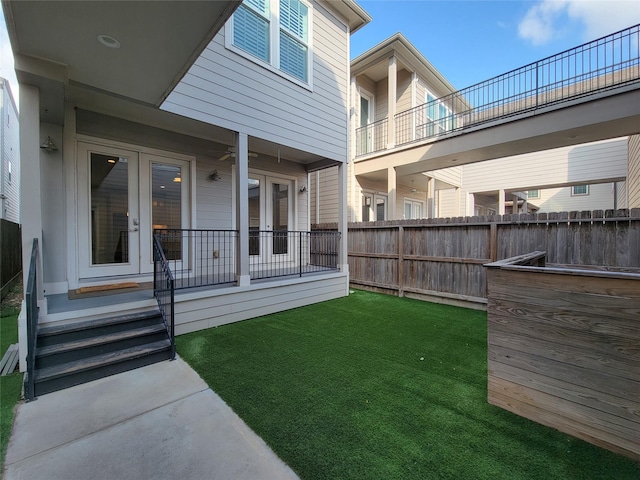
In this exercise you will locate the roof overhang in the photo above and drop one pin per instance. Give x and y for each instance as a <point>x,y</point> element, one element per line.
<point>56,42</point>
<point>374,62</point>
<point>353,13</point>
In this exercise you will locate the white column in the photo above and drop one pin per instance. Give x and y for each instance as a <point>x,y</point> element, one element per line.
<point>343,227</point>
<point>30,188</point>
<point>391,122</point>
<point>516,198</point>
<point>391,193</point>
<point>501,200</point>
<point>30,203</point>
<point>431,198</point>
<point>242,209</point>
<point>471,204</point>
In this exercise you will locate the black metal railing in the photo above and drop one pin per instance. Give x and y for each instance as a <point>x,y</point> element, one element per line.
<point>603,64</point>
<point>372,138</point>
<point>200,258</point>
<point>282,253</point>
<point>164,291</point>
<point>31,301</point>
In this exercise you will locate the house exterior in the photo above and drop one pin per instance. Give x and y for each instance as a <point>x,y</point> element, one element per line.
<point>389,78</point>
<point>200,121</point>
<point>420,102</point>
<point>9,155</point>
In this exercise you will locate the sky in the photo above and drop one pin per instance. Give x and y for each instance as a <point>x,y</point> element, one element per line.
<point>469,41</point>
<point>472,41</point>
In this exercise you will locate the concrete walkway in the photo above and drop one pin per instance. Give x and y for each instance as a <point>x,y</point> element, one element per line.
<point>156,422</point>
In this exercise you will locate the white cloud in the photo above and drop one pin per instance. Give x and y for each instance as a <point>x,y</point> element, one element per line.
<point>548,18</point>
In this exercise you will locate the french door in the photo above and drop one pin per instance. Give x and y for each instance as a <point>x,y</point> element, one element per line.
<point>123,195</point>
<point>270,219</point>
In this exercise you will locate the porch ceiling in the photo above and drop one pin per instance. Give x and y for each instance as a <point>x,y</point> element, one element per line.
<point>158,41</point>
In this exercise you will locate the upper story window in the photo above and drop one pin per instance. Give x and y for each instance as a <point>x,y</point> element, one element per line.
<point>275,32</point>
<point>533,194</point>
<point>9,173</point>
<point>580,190</point>
<point>439,117</point>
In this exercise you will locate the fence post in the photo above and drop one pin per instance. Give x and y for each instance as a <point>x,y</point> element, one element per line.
<point>493,241</point>
<point>400,261</point>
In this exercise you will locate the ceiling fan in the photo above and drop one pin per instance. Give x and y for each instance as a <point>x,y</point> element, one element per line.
<point>231,153</point>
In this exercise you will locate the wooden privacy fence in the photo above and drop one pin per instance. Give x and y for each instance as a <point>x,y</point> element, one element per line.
<point>444,257</point>
<point>564,348</point>
<point>10,255</point>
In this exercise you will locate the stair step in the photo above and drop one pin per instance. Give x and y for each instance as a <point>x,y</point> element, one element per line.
<point>85,347</point>
<point>106,359</point>
<point>53,334</point>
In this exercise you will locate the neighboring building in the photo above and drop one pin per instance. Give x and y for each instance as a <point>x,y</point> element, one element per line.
<point>213,124</point>
<point>578,177</point>
<point>375,101</point>
<point>582,177</point>
<point>9,155</point>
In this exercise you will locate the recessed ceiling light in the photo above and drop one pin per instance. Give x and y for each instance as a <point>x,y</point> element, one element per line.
<point>108,41</point>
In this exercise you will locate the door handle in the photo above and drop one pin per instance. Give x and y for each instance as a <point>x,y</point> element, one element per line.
<point>134,229</point>
<point>135,222</point>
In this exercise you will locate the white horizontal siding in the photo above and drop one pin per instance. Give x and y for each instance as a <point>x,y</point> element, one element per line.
<point>447,205</point>
<point>633,186</point>
<point>600,197</point>
<point>403,91</point>
<point>197,311</point>
<point>381,99</point>
<point>226,89</point>
<point>586,163</point>
<point>451,175</point>
<point>10,155</point>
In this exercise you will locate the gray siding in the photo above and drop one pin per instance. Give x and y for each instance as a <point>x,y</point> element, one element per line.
<point>403,91</point>
<point>9,132</point>
<point>633,177</point>
<point>226,89</point>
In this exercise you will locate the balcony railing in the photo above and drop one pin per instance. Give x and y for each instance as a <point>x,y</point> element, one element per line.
<point>284,253</point>
<point>609,62</point>
<point>31,303</point>
<point>372,138</point>
<point>201,258</point>
<point>164,291</point>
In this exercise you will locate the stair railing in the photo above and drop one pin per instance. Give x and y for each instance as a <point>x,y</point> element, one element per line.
<point>163,290</point>
<point>31,301</point>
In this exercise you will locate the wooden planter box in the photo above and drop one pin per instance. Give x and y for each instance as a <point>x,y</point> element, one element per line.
<point>564,348</point>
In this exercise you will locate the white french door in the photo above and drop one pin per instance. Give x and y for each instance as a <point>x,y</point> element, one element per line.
<point>123,195</point>
<point>270,219</point>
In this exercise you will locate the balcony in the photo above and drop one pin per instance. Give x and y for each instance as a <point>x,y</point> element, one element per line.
<point>207,258</point>
<point>604,64</point>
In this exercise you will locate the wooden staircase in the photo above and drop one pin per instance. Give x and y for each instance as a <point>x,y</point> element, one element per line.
<point>68,355</point>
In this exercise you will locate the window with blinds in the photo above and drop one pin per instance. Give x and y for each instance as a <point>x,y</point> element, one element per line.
<point>276,32</point>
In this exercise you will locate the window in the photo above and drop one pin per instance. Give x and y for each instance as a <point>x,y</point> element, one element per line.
<point>439,117</point>
<point>374,207</point>
<point>577,190</point>
<point>413,209</point>
<point>533,194</point>
<point>9,173</point>
<point>276,32</point>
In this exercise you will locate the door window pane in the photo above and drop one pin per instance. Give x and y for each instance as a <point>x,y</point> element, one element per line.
<point>380,209</point>
<point>254,216</point>
<point>280,207</point>
<point>109,209</point>
<point>166,206</point>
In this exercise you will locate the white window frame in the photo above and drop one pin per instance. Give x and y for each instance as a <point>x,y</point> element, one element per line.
<point>274,44</point>
<point>574,194</point>
<point>413,203</point>
<point>441,124</point>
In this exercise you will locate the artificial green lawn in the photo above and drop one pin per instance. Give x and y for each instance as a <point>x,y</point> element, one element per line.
<point>377,387</point>
<point>10,385</point>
